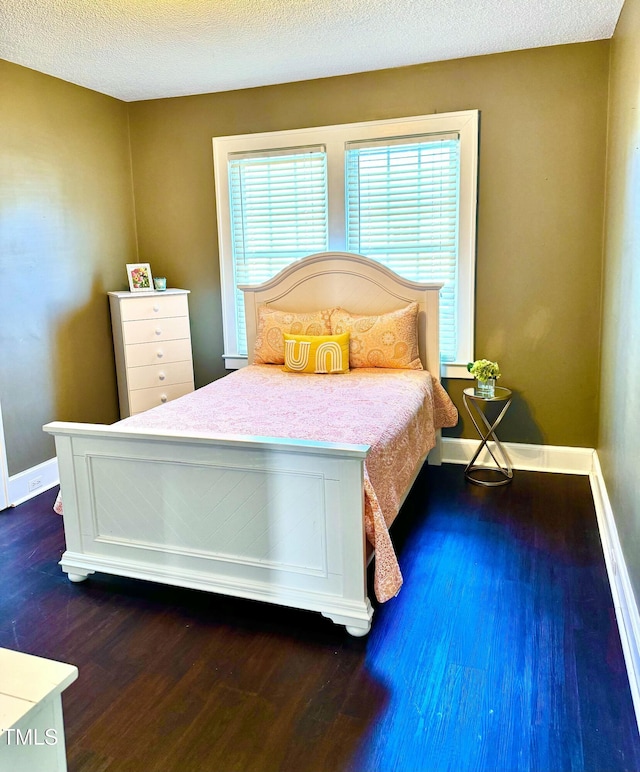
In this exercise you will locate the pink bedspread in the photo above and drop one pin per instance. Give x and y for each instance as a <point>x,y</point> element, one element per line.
<point>396,412</point>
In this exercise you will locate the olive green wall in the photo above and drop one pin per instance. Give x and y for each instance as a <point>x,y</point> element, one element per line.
<point>67,225</point>
<point>66,232</point>
<point>619,440</point>
<point>542,162</point>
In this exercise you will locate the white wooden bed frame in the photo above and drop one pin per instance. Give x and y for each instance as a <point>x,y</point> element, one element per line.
<point>222,513</point>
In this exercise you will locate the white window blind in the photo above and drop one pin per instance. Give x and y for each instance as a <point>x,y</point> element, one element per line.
<point>278,206</point>
<point>402,191</point>
<point>403,210</point>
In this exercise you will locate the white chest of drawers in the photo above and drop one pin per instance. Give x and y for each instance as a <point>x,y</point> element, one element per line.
<point>152,344</point>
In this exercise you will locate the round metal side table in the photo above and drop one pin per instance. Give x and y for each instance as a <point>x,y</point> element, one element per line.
<point>502,470</point>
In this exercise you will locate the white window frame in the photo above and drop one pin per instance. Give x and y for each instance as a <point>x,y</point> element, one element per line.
<point>334,138</point>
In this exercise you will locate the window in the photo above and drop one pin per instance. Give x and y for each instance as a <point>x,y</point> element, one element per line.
<point>402,192</point>
<point>402,209</point>
<point>278,214</point>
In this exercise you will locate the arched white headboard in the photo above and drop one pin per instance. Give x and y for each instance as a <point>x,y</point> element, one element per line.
<point>353,282</point>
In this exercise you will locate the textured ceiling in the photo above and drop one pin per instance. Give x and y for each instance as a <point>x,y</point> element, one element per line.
<point>143,49</point>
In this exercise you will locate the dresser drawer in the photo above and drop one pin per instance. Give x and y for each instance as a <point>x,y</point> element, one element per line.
<point>153,306</point>
<point>148,330</point>
<point>160,375</point>
<point>145,399</point>
<point>142,354</point>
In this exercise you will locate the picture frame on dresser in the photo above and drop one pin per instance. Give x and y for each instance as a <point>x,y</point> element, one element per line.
<point>140,278</point>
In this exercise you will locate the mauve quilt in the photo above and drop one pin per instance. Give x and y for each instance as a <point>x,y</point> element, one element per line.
<point>396,412</point>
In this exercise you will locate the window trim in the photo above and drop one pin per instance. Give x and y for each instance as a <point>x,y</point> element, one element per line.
<point>334,138</point>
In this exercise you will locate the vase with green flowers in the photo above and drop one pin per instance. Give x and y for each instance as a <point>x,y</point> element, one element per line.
<point>486,373</point>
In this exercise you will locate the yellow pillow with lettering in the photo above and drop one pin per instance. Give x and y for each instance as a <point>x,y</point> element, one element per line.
<point>316,353</point>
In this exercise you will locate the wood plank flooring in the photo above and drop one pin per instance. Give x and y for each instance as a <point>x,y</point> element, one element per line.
<point>500,653</point>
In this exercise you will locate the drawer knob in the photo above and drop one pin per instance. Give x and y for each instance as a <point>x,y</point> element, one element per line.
<point>156,308</point>
<point>163,398</point>
<point>162,376</point>
<point>158,331</point>
<point>160,354</point>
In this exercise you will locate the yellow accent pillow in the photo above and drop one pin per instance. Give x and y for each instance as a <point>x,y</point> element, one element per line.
<point>316,353</point>
<point>382,340</point>
<point>273,324</point>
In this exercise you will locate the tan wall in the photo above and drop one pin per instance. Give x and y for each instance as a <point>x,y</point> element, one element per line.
<point>542,160</point>
<point>67,225</point>
<point>619,440</point>
<point>66,232</point>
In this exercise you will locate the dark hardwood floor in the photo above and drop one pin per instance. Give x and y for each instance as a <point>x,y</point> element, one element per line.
<point>500,653</point>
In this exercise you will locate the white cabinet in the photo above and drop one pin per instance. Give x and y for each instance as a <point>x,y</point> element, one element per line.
<point>31,725</point>
<point>152,343</point>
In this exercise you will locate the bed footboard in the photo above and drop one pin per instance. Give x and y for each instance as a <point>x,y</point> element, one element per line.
<point>262,518</point>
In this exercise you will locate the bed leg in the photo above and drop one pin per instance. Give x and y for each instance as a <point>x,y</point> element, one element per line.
<point>358,632</point>
<point>435,454</point>
<point>77,575</point>
<point>357,625</point>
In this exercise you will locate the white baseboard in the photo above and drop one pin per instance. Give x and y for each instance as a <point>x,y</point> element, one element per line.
<point>533,458</point>
<point>20,486</point>
<point>4,493</point>
<point>624,600</point>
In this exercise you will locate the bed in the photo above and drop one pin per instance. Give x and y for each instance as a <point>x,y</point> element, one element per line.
<point>172,496</point>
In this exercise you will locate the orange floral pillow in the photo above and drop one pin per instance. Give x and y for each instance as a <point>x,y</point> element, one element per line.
<point>273,324</point>
<point>384,340</point>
